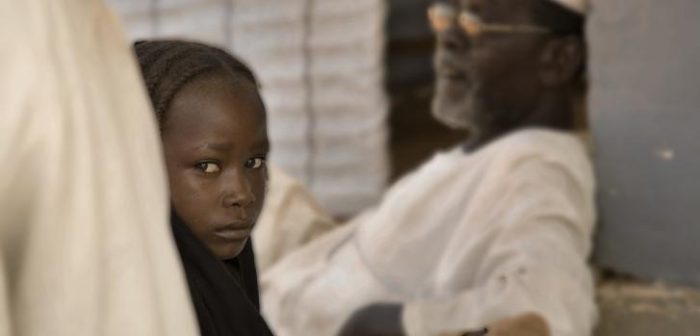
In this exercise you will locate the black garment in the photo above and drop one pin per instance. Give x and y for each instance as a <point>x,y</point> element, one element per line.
<point>225,294</point>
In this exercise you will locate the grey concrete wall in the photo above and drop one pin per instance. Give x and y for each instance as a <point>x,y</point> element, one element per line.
<point>645,117</point>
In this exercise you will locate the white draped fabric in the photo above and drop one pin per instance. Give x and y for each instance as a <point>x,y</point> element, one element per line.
<point>466,240</point>
<point>290,219</point>
<point>85,245</point>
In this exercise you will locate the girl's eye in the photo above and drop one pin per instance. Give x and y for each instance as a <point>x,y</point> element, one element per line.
<point>255,163</point>
<point>209,167</point>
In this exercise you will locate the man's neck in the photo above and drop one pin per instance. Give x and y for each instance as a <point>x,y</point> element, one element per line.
<point>553,112</point>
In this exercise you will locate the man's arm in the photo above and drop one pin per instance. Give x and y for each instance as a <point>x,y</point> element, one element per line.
<point>536,264</point>
<point>381,319</point>
<point>385,320</point>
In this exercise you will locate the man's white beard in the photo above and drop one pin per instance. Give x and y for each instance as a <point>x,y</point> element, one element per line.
<point>454,105</point>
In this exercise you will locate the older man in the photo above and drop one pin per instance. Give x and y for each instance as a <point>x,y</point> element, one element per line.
<point>496,228</point>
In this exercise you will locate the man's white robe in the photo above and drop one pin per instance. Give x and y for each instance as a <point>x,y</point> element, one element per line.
<point>466,240</point>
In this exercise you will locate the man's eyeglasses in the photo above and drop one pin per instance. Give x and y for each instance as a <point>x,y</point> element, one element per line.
<point>442,15</point>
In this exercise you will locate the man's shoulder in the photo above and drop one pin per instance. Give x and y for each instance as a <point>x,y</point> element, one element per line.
<point>547,149</point>
<point>537,142</point>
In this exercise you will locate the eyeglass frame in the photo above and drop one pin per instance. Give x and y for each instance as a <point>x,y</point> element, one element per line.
<point>473,26</point>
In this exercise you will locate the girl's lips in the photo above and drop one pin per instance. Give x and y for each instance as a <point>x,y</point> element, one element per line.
<point>233,233</point>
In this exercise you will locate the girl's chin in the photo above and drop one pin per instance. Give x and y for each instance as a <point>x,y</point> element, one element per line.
<point>229,250</point>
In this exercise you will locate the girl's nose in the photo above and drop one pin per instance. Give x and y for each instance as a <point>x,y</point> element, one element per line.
<point>238,191</point>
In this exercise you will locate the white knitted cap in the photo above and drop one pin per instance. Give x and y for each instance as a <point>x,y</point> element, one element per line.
<point>578,6</point>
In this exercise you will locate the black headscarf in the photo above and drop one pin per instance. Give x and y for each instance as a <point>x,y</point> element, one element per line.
<point>225,294</point>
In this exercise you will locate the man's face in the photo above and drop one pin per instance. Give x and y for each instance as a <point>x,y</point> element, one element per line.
<point>490,81</point>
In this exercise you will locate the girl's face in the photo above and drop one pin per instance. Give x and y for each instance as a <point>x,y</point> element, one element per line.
<point>215,143</point>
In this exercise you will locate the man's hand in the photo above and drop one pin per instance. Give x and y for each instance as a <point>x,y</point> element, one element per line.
<point>529,324</point>
<point>381,319</point>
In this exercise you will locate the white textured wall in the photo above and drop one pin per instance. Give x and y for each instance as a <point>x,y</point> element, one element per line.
<point>321,67</point>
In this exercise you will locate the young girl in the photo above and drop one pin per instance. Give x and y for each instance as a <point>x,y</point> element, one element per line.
<point>214,134</point>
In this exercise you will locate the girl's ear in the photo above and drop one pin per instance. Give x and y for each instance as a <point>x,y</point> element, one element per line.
<point>561,60</point>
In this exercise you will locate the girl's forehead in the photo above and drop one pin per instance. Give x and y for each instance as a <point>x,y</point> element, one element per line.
<point>216,104</point>
<point>223,90</point>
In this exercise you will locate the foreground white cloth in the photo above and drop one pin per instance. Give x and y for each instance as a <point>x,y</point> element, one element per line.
<point>85,246</point>
<point>465,240</point>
